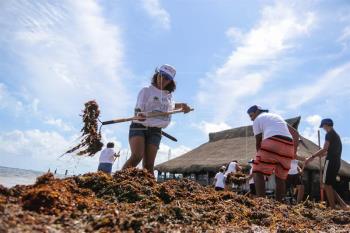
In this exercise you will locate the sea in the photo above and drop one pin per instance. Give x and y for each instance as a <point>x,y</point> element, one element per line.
<point>10,177</point>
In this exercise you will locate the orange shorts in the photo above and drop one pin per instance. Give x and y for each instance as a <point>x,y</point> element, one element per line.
<point>274,156</point>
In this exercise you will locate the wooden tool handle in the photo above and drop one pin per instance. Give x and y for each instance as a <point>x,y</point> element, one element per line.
<point>120,120</point>
<point>169,136</point>
<point>155,114</point>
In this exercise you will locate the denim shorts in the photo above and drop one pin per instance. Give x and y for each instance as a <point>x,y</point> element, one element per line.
<point>152,135</point>
<point>105,167</point>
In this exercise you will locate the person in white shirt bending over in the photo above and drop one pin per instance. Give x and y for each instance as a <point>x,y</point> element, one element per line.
<point>145,133</point>
<point>276,146</point>
<point>232,167</point>
<point>220,180</point>
<point>107,158</point>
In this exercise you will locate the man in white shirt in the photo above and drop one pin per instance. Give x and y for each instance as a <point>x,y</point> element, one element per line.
<point>220,180</point>
<point>107,158</point>
<point>276,144</point>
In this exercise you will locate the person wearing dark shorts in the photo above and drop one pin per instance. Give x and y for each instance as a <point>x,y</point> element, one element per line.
<point>332,149</point>
<point>107,158</point>
<point>294,180</point>
<point>145,131</point>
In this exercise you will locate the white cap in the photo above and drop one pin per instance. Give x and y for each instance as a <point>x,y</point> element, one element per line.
<point>167,70</point>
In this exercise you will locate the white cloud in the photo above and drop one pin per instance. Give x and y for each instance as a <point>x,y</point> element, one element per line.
<point>314,120</point>
<point>234,34</point>
<point>71,53</point>
<point>211,127</point>
<point>157,12</point>
<point>41,150</point>
<point>251,64</point>
<point>9,102</point>
<point>39,146</point>
<point>59,123</point>
<point>345,36</point>
<point>172,124</point>
<point>333,84</point>
<point>166,152</point>
<point>311,130</point>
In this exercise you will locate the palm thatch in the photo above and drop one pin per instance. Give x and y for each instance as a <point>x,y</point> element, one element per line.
<point>234,144</point>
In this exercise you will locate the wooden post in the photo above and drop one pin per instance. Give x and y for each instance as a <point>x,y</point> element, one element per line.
<point>320,166</point>
<point>208,178</point>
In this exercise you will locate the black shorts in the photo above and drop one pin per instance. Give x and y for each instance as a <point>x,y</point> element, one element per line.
<point>252,189</point>
<point>219,189</point>
<point>330,172</point>
<point>294,180</point>
<point>152,135</point>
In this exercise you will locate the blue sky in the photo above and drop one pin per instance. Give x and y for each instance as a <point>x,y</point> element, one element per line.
<point>289,56</point>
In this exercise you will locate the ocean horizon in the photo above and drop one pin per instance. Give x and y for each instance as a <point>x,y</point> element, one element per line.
<point>10,176</point>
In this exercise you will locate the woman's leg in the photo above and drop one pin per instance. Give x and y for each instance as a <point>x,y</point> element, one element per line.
<point>149,157</point>
<point>137,146</point>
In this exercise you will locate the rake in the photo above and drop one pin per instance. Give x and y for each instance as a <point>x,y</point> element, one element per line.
<point>90,140</point>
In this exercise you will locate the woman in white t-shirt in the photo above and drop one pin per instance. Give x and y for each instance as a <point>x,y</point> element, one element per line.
<point>145,133</point>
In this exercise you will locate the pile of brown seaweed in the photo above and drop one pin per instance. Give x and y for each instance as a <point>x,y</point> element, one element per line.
<point>90,142</point>
<point>237,178</point>
<point>131,200</point>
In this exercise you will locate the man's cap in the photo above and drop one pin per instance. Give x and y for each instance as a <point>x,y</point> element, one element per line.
<point>254,108</point>
<point>167,71</point>
<point>326,121</point>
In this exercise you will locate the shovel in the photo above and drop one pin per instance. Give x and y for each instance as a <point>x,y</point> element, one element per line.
<point>150,115</point>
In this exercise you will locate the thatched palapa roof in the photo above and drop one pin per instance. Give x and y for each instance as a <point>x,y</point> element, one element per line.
<point>234,144</point>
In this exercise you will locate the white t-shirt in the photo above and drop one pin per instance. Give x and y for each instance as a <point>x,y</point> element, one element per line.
<point>293,167</point>
<point>220,178</point>
<point>151,100</point>
<point>107,155</point>
<point>251,180</point>
<point>232,167</point>
<point>270,125</point>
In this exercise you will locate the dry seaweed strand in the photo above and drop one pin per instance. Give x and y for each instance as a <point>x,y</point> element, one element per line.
<point>90,140</point>
<point>237,178</point>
